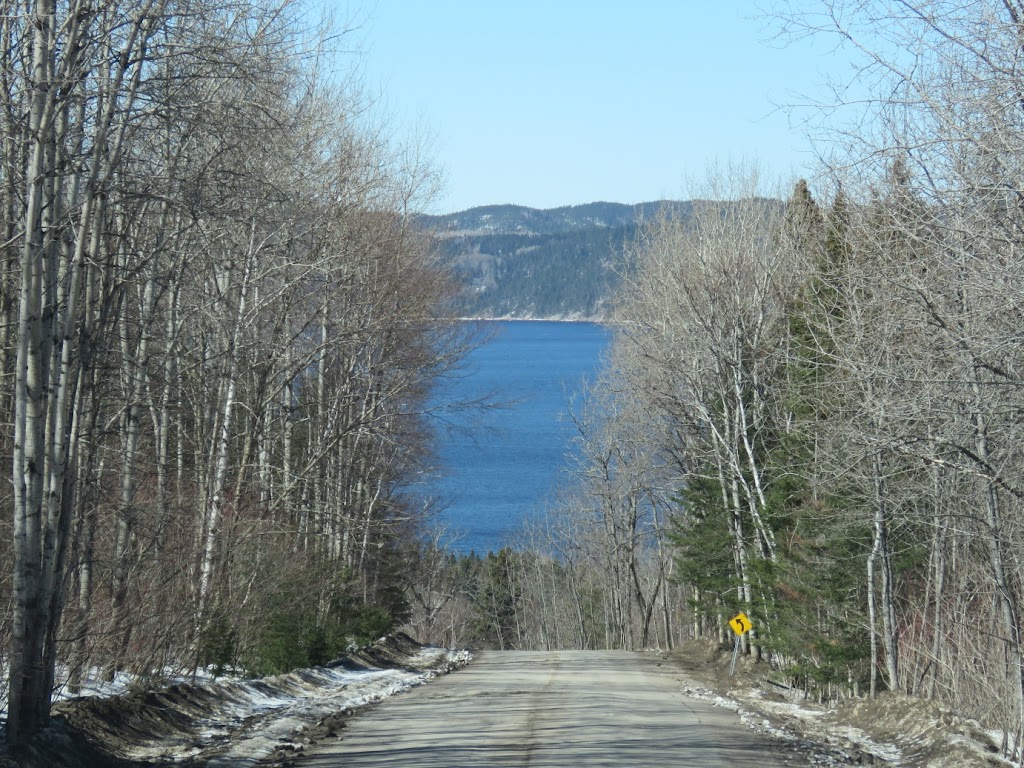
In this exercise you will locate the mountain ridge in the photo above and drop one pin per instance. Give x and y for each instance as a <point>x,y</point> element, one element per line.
<point>511,218</point>
<point>517,262</point>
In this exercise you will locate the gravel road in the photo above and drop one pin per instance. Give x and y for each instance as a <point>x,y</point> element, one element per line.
<point>563,709</point>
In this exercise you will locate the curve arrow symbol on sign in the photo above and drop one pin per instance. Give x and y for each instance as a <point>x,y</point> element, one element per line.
<point>740,623</point>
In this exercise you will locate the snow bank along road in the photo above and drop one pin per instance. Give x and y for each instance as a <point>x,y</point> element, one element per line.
<point>562,709</point>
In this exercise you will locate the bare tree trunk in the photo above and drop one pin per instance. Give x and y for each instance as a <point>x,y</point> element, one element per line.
<point>938,577</point>
<point>1006,594</point>
<point>880,552</point>
<point>215,497</point>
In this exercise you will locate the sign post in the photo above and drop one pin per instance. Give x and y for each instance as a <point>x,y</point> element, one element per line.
<point>740,624</point>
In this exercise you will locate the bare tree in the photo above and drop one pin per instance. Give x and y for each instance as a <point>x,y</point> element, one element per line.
<point>220,334</point>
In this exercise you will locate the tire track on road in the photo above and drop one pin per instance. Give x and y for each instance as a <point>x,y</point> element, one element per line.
<point>536,705</point>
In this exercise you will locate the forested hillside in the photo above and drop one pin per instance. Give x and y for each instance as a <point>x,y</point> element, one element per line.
<point>521,262</point>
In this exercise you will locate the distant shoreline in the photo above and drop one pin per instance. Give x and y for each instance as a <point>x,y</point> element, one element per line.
<point>552,319</point>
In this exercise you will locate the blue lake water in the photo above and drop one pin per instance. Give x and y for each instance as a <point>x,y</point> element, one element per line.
<point>503,464</point>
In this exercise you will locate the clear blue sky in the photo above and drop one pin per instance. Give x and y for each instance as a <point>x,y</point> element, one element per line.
<point>560,102</point>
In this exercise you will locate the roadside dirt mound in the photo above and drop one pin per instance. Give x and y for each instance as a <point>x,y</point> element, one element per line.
<point>892,729</point>
<point>140,717</point>
<point>61,745</point>
<point>392,652</point>
<point>246,720</point>
<point>926,733</point>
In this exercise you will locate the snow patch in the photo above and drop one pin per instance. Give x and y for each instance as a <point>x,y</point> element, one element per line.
<point>239,722</point>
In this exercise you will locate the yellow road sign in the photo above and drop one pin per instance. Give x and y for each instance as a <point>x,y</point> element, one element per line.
<point>740,623</point>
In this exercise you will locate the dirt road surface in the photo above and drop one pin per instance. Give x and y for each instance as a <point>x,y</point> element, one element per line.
<point>563,709</point>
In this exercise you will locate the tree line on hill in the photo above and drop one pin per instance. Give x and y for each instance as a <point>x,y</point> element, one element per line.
<point>513,261</point>
<point>537,276</point>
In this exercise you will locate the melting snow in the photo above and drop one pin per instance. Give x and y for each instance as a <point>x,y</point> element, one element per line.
<point>246,720</point>
<point>303,699</point>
